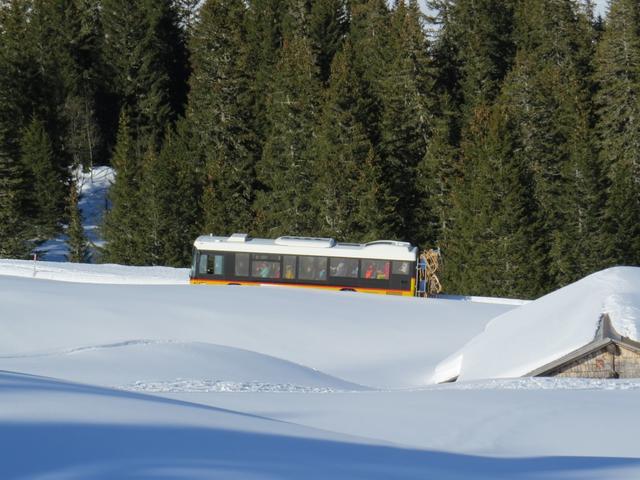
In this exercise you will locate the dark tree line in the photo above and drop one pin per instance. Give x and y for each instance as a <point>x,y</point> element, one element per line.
<point>505,132</point>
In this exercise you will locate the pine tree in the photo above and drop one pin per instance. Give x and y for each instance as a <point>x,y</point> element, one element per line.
<point>14,220</point>
<point>376,214</point>
<point>47,194</point>
<point>406,112</point>
<point>286,167</point>
<point>14,231</point>
<point>219,107</point>
<point>145,48</point>
<point>328,25</point>
<point>78,34</point>
<point>435,176</point>
<point>475,48</point>
<point>546,94</point>
<point>181,185</point>
<point>154,202</point>
<point>618,128</point>
<point>490,249</point>
<point>342,160</point>
<point>264,40</point>
<point>369,34</point>
<point>78,246</point>
<point>122,228</point>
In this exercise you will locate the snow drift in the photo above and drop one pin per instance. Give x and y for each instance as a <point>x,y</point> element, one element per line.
<point>248,383</point>
<point>542,331</point>
<point>371,340</point>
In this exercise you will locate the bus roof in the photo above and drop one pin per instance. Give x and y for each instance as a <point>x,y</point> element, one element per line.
<point>322,247</point>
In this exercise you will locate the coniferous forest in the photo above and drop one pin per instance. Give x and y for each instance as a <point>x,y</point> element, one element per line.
<point>504,132</point>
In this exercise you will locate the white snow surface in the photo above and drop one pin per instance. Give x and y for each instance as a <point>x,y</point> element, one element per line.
<point>542,331</point>
<point>138,380</point>
<point>89,273</point>
<point>371,340</point>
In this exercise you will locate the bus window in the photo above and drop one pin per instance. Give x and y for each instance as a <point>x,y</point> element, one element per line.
<point>312,268</point>
<point>242,265</point>
<point>400,268</point>
<point>289,266</point>
<point>202,266</point>
<point>265,266</point>
<point>215,264</point>
<point>375,269</point>
<point>193,264</point>
<point>344,267</point>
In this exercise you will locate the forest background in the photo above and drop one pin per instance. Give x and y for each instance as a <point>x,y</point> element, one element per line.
<point>504,132</point>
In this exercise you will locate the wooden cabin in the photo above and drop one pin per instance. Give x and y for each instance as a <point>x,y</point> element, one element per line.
<point>609,355</point>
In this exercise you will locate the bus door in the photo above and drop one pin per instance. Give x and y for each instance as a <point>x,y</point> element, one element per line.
<point>401,275</point>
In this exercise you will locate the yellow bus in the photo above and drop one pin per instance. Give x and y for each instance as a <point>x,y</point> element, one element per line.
<point>384,266</point>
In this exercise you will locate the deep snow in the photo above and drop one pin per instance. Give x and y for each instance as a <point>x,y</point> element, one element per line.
<point>138,380</point>
<point>540,332</point>
<point>370,340</point>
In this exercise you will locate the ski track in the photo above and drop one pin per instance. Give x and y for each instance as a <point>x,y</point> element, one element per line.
<point>218,386</point>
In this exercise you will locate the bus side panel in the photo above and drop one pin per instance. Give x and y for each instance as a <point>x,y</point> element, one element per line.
<point>380,291</point>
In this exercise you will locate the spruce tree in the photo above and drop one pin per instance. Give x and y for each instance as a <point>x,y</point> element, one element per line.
<point>122,228</point>
<point>78,245</point>
<point>475,48</point>
<point>369,35</point>
<point>181,187</point>
<point>219,115</point>
<point>264,21</point>
<point>406,112</point>
<point>345,172</point>
<point>376,215</point>
<point>47,193</point>
<point>490,251</point>
<point>328,25</point>
<point>14,213</point>
<point>435,176</point>
<point>546,94</point>
<point>77,28</point>
<point>286,167</point>
<point>145,49</point>
<point>618,128</point>
<point>14,230</point>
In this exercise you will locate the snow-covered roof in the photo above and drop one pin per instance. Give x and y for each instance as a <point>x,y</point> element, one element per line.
<point>538,333</point>
<point>311,246</point>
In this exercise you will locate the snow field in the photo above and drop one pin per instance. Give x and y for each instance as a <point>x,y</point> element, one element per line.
<point>138,380</point>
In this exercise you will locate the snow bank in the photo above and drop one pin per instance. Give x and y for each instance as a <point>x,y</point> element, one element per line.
<point>87,273</point>
<point>372,340</point>
<point>169,366</point>
<point>535,334</point>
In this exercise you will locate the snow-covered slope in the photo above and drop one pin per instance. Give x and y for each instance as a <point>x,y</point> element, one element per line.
<point>192,382</point>
<point>175,366</point>
<point>535,334</point>
<point>365,339</point>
